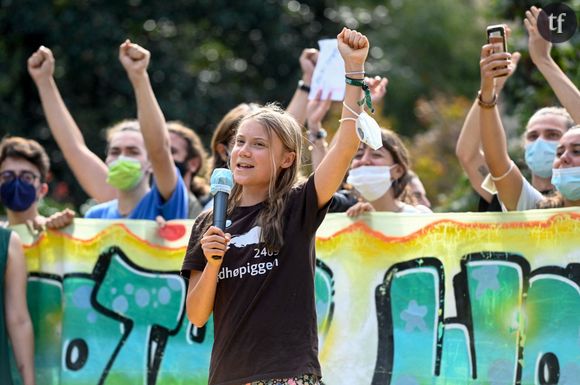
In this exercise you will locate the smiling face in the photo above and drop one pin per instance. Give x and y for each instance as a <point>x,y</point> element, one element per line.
<point>256,156</point>
<point>568,150</point>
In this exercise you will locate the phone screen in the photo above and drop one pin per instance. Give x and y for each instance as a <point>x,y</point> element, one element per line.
<point>497,38</point>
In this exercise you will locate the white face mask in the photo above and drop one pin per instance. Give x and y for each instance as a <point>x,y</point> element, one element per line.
<point>368,131</point>
<point>372,182</point>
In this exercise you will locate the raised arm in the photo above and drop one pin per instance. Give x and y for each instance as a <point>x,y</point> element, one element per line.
<point>468,148</point>
<point>354,48</point>
<point>135,60</point>
<point>316,111</point>
<point>88,168</point>
<point>18,321</point>
<point>297,106</point>
<point>540,48</point>
<point>507,177</point>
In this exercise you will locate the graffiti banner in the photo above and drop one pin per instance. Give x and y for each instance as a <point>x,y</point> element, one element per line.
<point>441,299</point>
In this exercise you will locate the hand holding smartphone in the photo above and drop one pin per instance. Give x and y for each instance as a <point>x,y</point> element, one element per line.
<point>497,37</point>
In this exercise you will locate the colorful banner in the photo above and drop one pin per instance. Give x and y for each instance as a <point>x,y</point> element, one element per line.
<point>454,299</point>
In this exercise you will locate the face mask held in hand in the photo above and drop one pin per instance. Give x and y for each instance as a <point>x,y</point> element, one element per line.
<point>540,155</point>
<point>17,195</point>
<point>372,182</point>
<point>567,182</point>
<point>125,173</point>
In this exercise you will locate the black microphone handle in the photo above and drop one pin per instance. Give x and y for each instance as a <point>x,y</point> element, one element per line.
<point>220,207</point>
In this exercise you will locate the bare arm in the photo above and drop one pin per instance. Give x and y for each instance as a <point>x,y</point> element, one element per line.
<point>353,47</point>
<point>468,148</point>
<point>18,320</point>
<point>492,133</point>
<point>202,285</point>
<point>540,48</point>
<point>88,168</point>
<point>135,59</point>
<point>297,106</point>
<point>316,111</point>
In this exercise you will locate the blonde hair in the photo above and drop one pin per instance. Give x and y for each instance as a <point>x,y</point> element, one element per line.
<point>123,125</point>
<point>275,121</point>
<point>555,111</point>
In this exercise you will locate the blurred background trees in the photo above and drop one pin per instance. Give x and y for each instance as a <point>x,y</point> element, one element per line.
<point>209,55</point>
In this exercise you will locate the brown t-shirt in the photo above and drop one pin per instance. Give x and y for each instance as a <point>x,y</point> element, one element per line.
<point>264,311</point>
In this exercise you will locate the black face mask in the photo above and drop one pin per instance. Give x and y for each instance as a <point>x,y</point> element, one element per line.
<point>182,167</point>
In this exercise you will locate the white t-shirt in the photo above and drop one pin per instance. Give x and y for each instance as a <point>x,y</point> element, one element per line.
<point>419,209</point>
<point>529,197</point>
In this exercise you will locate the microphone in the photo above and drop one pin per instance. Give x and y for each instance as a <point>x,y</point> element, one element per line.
<point>221,183</point>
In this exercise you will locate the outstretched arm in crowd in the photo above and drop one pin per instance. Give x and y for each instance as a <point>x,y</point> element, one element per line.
<point>88,168</point>
<point>135,60</point>
<point>18,323</point>
<point>297,106</point>
<point>505,174</point>
<point>354,48</point>
<point>468,148</point>
<point>315,112</point>
<point>540,48</point>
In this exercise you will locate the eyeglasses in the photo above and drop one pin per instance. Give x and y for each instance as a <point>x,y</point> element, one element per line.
<point>25,176</point>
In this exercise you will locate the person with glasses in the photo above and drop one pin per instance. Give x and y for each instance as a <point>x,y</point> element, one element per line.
<point>24,167</point>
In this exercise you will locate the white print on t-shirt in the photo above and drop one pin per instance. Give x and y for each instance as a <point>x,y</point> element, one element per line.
<point>252,237</point>
<point>253,270</point>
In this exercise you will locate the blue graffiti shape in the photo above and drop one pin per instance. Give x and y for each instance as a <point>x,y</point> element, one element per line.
<point>486,278</point>
<point>414,291</point>
<point>414,316</point>
<point>150,305</point>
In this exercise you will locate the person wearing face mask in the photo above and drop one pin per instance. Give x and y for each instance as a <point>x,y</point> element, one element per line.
<point>135,151</point>
<point>514,191</point>
<point>24,167</point>
<point>381,177</point>
<point>190,158</point>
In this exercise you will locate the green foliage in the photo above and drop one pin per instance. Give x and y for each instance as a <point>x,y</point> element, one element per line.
<point>207,57</point>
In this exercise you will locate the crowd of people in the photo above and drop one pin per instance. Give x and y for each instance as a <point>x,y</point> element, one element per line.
<point>158,170</point>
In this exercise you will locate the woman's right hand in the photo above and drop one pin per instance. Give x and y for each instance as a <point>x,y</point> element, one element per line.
<point>41,64</point>
<point>492,65</point>
<point>215,243</point>
<point>354,48</point>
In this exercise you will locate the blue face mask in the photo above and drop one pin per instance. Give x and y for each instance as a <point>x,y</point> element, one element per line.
<point>567,182</point>
<point>17,195</point>
<point>540,156</point>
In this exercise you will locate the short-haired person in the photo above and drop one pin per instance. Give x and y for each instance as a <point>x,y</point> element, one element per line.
<point>24,168</point>
<point>277,219</point>
<point>135,151</point>
<point>15,323</point>
<point>514,191</point>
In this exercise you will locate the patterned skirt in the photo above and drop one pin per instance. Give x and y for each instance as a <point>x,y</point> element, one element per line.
<point>305,379</point>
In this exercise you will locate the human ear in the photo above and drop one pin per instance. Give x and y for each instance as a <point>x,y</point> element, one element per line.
<point>397,171</point>
<point>193,165</point>
<point>288,159</point>
<point>42,191</point>
<point>222,152</point>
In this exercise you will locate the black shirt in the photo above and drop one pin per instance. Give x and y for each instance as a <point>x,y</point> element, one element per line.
<point>264,311</point>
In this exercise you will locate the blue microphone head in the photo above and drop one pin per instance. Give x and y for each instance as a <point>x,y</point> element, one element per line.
<point>221,180</point>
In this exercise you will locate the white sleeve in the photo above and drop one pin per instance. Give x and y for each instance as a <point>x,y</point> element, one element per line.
<point>529,197</point>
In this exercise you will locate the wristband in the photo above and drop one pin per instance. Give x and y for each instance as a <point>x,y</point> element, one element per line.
<point>367,98</point>
<point>486,105</point>
<point>320,134</point>
<point>303,86</point>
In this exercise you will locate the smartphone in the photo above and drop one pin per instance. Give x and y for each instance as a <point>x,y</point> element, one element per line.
<point>496,36</point>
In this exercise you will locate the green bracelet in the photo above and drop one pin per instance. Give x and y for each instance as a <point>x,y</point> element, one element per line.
<point>367,98</point>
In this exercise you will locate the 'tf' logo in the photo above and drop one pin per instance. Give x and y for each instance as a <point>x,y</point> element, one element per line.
<point>557,22</point>
<point>559,19</point>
